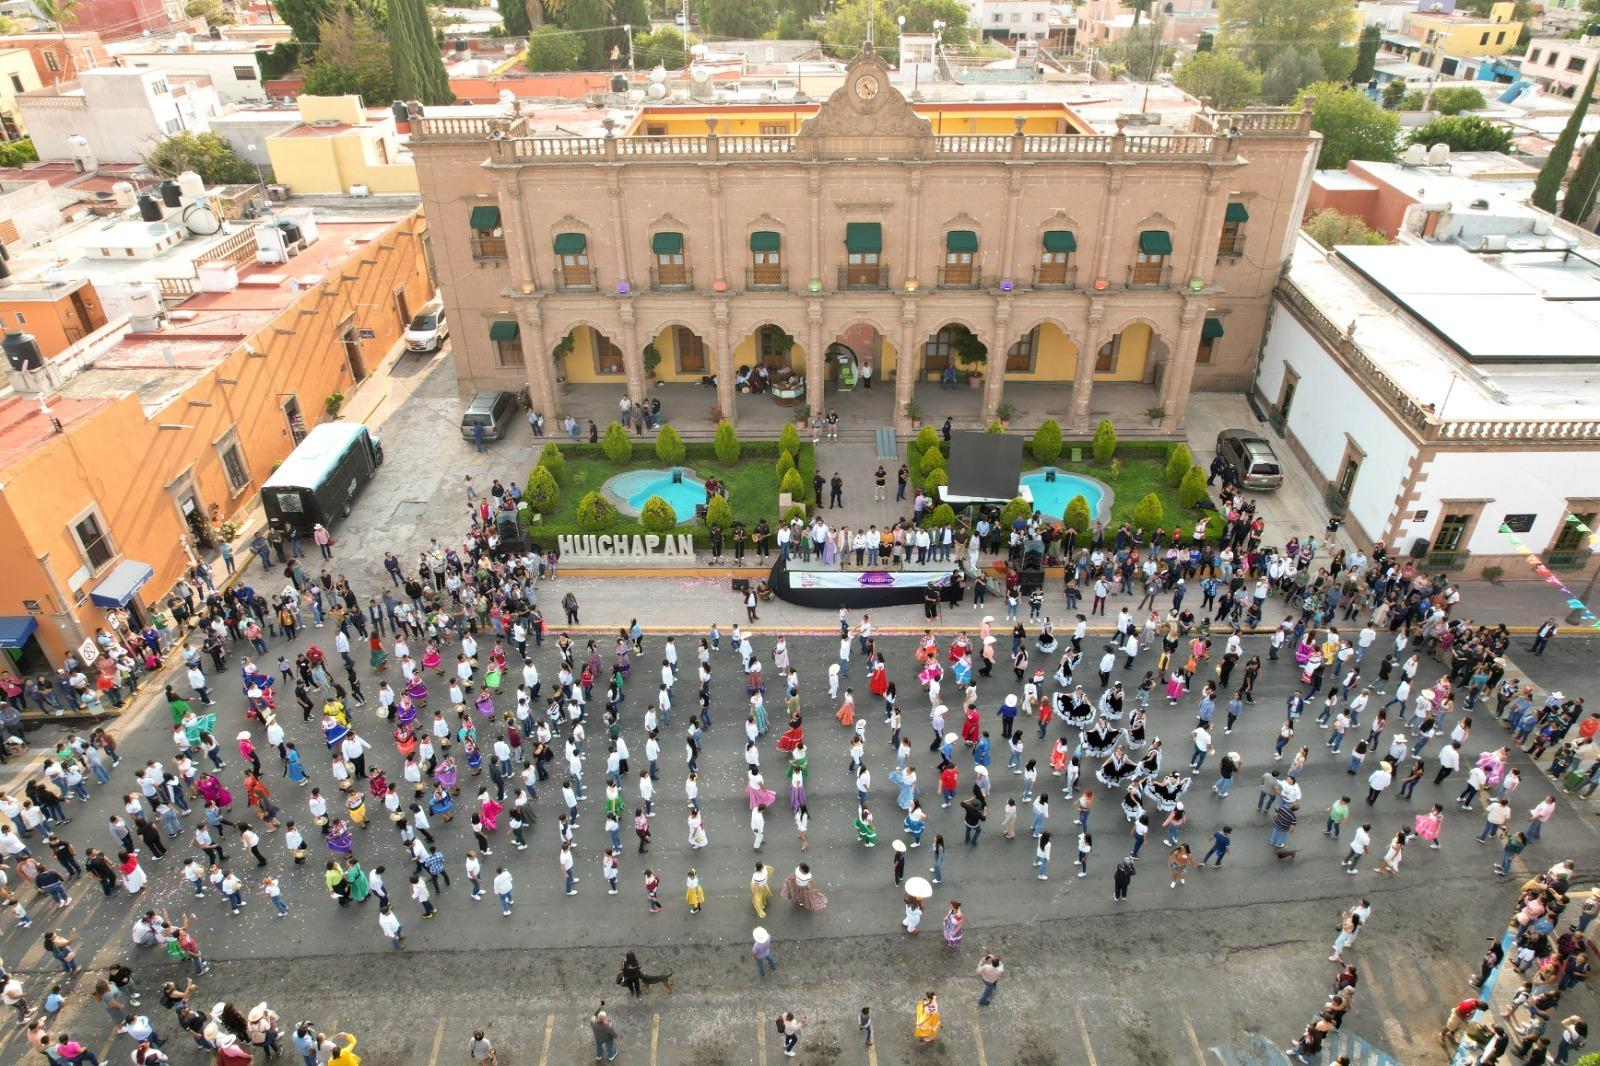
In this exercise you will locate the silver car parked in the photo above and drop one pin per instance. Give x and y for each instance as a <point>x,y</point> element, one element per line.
<point>1252,456</point>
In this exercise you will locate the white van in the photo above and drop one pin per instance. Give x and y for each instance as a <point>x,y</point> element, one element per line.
<point>428,329</point>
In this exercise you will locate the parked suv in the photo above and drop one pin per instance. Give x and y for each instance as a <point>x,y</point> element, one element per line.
<point>491,410</point>
<point>1251,454</point>
<point>428,329</point>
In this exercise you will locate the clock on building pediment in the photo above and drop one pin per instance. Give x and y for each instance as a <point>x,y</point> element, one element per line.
<point>865,115</point>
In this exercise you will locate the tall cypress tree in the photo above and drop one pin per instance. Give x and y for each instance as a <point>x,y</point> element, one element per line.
<point>1548,188</point>
<point>1575,206</point>
<point>418,69</point>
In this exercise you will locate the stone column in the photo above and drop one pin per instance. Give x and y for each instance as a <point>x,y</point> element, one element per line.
<point>542,387</point>
<point>632,355</point>
<point>1102,237</point>
<point>722,359</point>
<point>816,368</point>
<point>906,363</point>
<point>1083,372</point>
<point>914,229</point>
<point>1203,263</point>
<point>814,228</point>
<point>518,239</point>
<point>994,371</point>
<point>719,267</point>
<point>1008,238</point>
<point>619,231</point>
<point>1180,367</point>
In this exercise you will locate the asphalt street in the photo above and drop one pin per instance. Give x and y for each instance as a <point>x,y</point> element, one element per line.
<point>1161,978</point>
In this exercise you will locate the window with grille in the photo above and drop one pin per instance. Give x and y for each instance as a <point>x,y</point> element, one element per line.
<point>233,465</point>
<point>93,541</point>
<point>1572,538</point>
<point>1452,532</point>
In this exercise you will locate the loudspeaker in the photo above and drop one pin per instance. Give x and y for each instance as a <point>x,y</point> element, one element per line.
<point>741,584</point>
<point>1419,548</point>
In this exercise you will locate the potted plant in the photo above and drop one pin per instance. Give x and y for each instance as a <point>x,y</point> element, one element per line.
<point>558,356</point>
<point>333,403</point>
<point>1006,412</point>
<point>1156,415</point>
<point>971,353</point>
<point>802,415</point>
<point>652,359</point>
<point>913,412</point>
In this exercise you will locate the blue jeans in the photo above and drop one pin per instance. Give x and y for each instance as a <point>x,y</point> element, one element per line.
<point>1223,785</point>
<point>1041,864</point>
<point>988,993</point>
<point>1333,828</point>
<point>277,901</point>
<point>1278,837</point>
<point>608,1048</point>
<point>1532,832</point>
<point>1219,852</point>
<point>764,961</point>
<point>505,902</point>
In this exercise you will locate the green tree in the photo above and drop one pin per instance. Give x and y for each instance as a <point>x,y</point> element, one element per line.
<point>1047,441</point>
<point>941,515</point>
<point>616,444</point>
<point>15,153</point>
<point>1393,93</point>
<point>784,464</point>
<point>718,513</point>
<point>932,459</point>
<point>514,17</point>
<point>1192,489</point>
<point>207,154</point>
<point>582,16</point>
<point>1352,126</point>
<point>669,447</point>
<point>1548,187</point>
<point>657,516</point>
<point>1579,201</point>
<point>846,27</point>
<point>1148,512</point>
<point>1178,464</point>
<point>413,51</point>
<point>1077,515</point>
<point>1367,48</point>
<point>934,478</point>
<point>1263,27</point>
<point>726,443</point>
<point>995,427</point>
<point>1105,441</point>
<point>792,485</point>
<point>352,58</point>
<point>1288,73</point>
<point>1017,510</point>
<point>551,48</point>
<point>210,10</point>
<point>928,438</point>
<point>595,513</point>
<point>1221,76</point>
<point>283,58</point>
<point>789,439</point>
<point>57,12</point>
<point>1140,51</point>
<point>1464,133</point>
<point>736,18</point>
<point>305,17</point>
<point>665,46</point>
<point>541,490</point>
<point>1329,227</point>
<point>551,459</point>
<point>1206,42</point>
<point>1454,99</point>
<point>792,27</point>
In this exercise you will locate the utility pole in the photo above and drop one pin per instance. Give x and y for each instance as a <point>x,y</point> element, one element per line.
<point>869,21</point>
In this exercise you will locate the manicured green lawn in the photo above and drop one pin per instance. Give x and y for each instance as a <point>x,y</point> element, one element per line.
<point>752,484</point>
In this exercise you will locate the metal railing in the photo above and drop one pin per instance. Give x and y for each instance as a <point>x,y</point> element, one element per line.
<point>766,277</point>
<point>1441,560</point>
<point>671,278</point>
<point>963,276</point>
<point>1575,559</point>
<point>488,247</point>
<point>857,278</point>
<point>1055,276</point>
<point>575,279</point>
<point>1149,276</point>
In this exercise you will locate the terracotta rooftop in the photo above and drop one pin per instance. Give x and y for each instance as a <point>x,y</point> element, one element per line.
<point>24,427</point>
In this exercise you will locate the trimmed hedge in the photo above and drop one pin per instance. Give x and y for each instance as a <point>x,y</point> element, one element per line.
<point>669,446</point>
<point>1179,460</point>
<point>789,439</point>
<point>941,515</point>
<point>551,459</point>
<point>617,444</point>
<point>1077,515</point>
<point>726,443</point>
<point>1192,489</point>
<point>1105,441</point>
<point>657,516</point>
<point>595,513</point>
<point>1148,513</point>
<point>1047,442</point>
<point>718,513</point>
<point>541,490</point>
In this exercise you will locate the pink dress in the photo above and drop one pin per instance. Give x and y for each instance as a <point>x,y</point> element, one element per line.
<point>489,811</point>
<point>759,794</point>
<point>1427,826</point>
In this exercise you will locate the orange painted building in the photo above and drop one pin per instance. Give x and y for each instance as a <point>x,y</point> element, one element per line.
<point>57,316</point>
<point>106,487</point>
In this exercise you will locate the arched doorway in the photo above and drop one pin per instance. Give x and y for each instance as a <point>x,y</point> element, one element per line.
<point>1127,373</point>
<point>677,354</point>
<point>769,366</point>
<point>952,363</point>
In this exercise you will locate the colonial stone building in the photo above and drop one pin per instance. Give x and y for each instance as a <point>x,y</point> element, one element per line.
<point>865,233</point>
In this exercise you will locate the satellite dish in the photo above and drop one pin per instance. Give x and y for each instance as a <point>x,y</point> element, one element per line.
<point>699,75</point>
<point>658,76</point>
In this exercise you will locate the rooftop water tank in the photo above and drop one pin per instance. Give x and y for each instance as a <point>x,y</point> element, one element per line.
<point>22,351</point>
<point>171,194</point>
<point>150,208</point>
<point>143,300</point>
<point>192,184</point>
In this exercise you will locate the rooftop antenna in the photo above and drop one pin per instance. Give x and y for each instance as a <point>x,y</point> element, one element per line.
<point>869,22</point>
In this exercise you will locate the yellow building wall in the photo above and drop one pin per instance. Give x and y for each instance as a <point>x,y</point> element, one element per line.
<point>18,62</point>
<point>666,343</point>
<point>1132,355</point>
<point>310,165</point>
<point>346,109</point>
<point>1055,357</point>
<point>948,120</point>
<point>1466,38</point>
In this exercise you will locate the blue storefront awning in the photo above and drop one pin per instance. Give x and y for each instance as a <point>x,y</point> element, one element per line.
<point>16,629</point>
<point>119,586</point>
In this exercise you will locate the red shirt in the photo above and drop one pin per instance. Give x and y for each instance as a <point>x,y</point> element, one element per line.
<point>1466,1009</point>
<point>949,778</point>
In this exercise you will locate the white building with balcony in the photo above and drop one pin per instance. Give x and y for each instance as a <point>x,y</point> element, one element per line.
<point>1561,64</point>
<point>116,114</point>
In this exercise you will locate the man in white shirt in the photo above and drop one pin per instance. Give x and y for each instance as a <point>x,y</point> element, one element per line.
<point>502,890</point>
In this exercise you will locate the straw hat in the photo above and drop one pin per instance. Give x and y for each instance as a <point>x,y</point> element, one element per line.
<point>761,935</point>
<point>899,845</point>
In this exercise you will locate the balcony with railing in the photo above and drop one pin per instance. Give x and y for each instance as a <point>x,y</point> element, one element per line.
<point>1055,276</point>
<point>488,248</point>
<point>960,276</point>
<point>1446,561</point>
<point>863,277</point>
<point>766,278</point>
<point>1575,559</point>
<point>671,277</point>
<point>575,279</point>
<point>1150,275</point>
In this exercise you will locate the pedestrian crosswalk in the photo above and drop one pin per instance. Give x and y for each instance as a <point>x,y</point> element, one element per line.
<point>1254,1049</point>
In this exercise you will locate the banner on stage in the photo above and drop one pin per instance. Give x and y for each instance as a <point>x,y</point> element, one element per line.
<point>866,579</point>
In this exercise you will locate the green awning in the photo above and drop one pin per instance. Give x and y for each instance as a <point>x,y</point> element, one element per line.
<point>504,330</point>
<point>571,243</point>
<point>961,240</point>
<point>1155,242</point>
<point>1237,213</point>
<point>1212,329</point>
<point>765,240</point>
<point>485,216</point>
<point>863,237</point>
<point>667,244</point>
<point>1060,240</point>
